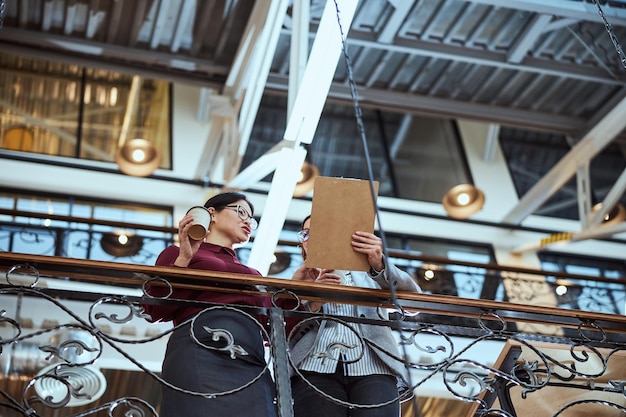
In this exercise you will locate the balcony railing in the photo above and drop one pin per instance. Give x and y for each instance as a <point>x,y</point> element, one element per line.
<point>496,358</point>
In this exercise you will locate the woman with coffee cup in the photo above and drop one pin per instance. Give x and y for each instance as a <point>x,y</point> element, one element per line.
<point>229,363</point>
<point>333,357</point>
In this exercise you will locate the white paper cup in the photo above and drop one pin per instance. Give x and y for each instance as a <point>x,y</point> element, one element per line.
<point>201,222</point>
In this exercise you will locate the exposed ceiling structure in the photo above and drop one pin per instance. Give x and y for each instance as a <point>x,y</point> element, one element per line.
<point>542,66</point>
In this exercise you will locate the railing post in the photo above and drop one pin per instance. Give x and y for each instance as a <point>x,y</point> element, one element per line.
<point>281,363</point>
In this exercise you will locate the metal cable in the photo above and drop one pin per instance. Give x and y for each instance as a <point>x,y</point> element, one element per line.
<point>361,129</point>
<point>609,29</point>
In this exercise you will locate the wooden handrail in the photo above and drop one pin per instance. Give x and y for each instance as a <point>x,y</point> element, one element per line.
<point>111,273</point>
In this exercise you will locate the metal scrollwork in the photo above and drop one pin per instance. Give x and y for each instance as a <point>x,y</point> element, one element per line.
<point>617,386</point>
<point>224,337</point>
<point>130,407</point>
<point>483,325</point>
<point>447,349</point>
<point>291,294</point>
<point>50,401</point>
<point>577,403</point>
<point>494,412</point>
<point>73,347</point>
<point>590,326</point>
<point>133,311</point>
<point>17,329</point>
<point>150,280</point>
<point>20,267</point>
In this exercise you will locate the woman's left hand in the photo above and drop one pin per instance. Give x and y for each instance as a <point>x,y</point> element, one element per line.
<point>370,245</point>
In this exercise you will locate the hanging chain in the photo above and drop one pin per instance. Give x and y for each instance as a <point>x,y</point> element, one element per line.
<point>3,5</point>
<point>612,35</point>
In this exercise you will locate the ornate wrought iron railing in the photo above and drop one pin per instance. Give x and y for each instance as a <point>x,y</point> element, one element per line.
<point>497,358</point>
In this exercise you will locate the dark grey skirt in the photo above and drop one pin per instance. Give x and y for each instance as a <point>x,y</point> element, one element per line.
<point>192,367</point>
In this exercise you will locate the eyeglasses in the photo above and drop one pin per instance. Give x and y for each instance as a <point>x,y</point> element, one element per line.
<point>244,215</point>
<point>303,235</point>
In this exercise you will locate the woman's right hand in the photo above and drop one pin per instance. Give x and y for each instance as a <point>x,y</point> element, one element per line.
<point>324,276</point>
<point>188,246</point>
<point>328,276</point>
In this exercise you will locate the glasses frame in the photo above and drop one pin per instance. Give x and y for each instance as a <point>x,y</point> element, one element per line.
<point>244,215</point>
<point>303,235</point>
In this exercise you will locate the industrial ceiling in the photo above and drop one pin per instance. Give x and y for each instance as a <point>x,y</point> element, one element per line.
<point>546,73</point>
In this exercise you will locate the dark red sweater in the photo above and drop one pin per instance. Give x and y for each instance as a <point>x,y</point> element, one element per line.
<point>210,258</point>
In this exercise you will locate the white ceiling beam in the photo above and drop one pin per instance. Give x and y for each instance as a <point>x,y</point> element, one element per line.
<point>579,10</point>
<point>444,107</point>
<point>610,201</point>
<point>527,40</point>
<point>583,187</point>
<point>491,143</point>
<point>395,21</point>
<point>485,57</point>
<point>591,144</point>
<point>51,46</point>
<point>319,72</point>
<point>159,24</point>
<point>260,168</point>
<point>242,93</point>
<point>600,232</point>
<point>400,136</point>
<point>94,22</point>
<point>301,125</point>
<point>265,24</point>
<point>70,18</point>
<point>289,164</point>
<point>184,25</point>
<point>298,49</point>
<point>559,23</point>
<point>204,104</point>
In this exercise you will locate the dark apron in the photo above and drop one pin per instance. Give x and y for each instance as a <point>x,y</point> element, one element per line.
<point>195,368</point>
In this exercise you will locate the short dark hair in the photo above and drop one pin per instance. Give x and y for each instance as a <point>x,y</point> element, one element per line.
<point>219,201</point>
<point>302,227</point>
<point>304,221</point>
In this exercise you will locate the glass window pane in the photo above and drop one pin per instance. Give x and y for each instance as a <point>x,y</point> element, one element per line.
<point>61,109</point>
<point>83,239</point>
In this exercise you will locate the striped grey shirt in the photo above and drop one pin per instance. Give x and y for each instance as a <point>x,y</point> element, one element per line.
<point>335,341</point>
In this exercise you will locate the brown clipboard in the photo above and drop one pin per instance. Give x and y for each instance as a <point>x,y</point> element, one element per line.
<point>340,207</point>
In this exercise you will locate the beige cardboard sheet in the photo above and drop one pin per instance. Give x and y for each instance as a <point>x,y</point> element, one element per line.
<point>341,206</point>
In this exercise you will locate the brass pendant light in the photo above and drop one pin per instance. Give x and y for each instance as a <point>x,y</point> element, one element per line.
<point>463,200</point>
<point>138,157</point>
<point>120,244</point>
<point>616,215</point>
<point>281,262</point>
<point>307,180</point>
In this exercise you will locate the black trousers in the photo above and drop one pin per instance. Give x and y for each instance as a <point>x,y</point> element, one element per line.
<point>369,389</point>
